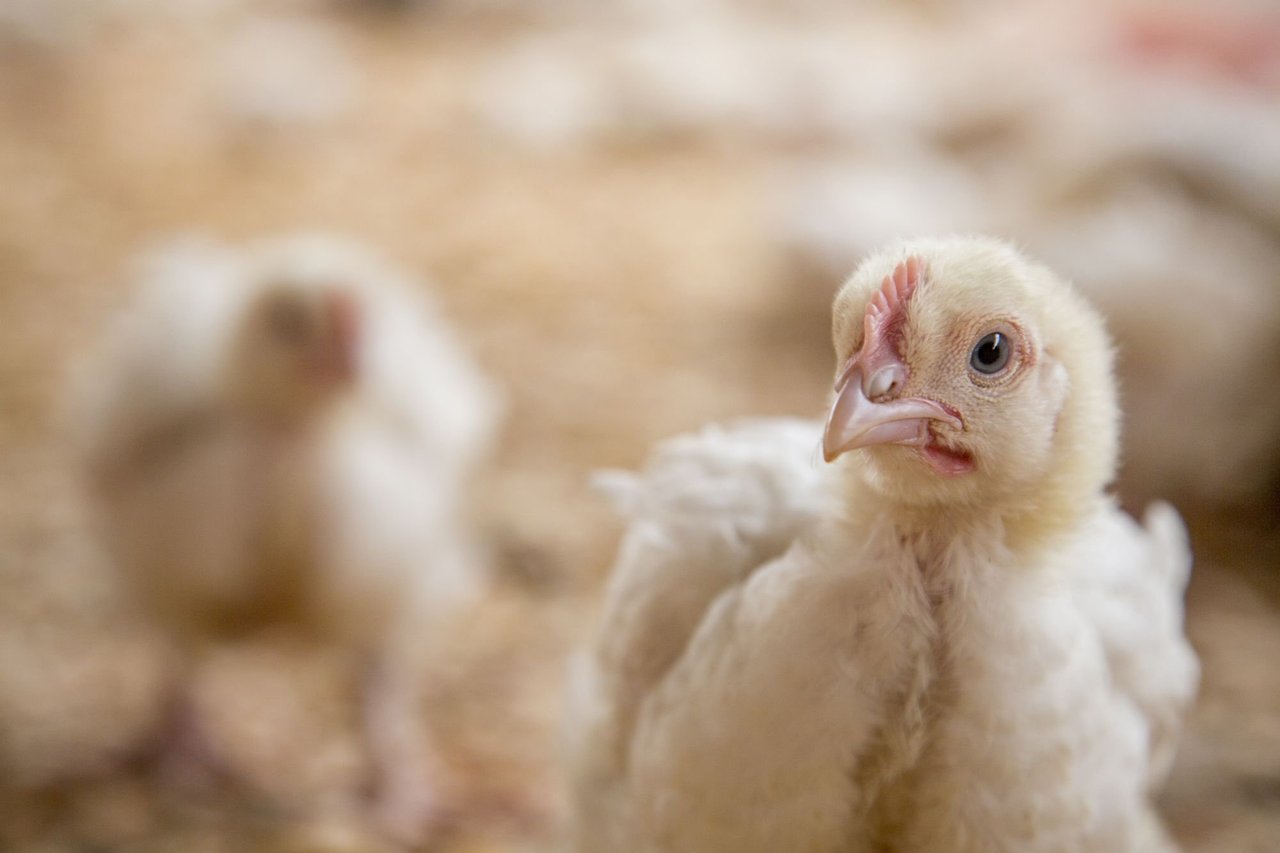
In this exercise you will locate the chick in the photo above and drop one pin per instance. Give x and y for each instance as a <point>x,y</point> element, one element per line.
<point>947,639</point>
<point>278,439</point>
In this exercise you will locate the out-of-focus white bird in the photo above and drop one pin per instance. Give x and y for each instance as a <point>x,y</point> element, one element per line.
<point>1152,259</point>
<point>708,71</point>
<point>950,639</point>
<point>279,438</point>
<point>282,71</point>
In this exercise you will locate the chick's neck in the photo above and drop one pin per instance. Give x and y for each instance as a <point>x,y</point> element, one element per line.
<point>1022,523</point>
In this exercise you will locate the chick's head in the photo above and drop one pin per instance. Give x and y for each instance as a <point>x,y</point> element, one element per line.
<point>297,348</point>
<point>970,376</point>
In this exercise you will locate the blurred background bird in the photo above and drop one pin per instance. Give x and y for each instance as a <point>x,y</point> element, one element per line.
<point>635,215</point>
<point>278,440</point>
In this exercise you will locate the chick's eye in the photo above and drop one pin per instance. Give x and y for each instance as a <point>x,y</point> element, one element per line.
<point>991,353</point>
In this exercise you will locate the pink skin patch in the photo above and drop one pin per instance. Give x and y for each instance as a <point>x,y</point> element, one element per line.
<point>945,461</point>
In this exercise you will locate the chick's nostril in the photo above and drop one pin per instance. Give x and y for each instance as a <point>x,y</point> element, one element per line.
<point>885,382</point>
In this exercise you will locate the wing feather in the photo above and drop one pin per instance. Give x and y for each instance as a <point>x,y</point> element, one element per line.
<point>707,511</point>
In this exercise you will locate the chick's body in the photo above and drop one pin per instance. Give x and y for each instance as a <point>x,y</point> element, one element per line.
<point>924,647</point>
<point>240,529</point>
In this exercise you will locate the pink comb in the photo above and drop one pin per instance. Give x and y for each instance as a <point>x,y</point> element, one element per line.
<point>883,321</point>
<point>885,311</point>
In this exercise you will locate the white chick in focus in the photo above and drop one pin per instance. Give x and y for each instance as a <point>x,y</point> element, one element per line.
<point>279,438</point>
<point>948,640</point>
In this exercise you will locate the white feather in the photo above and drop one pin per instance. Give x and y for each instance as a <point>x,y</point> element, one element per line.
<point>768,678</point>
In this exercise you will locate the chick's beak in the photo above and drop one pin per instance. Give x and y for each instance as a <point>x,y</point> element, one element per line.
<point>855,421</point>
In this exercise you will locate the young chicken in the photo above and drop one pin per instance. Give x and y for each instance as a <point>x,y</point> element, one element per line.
<point>278,439</point>
<point>948,639</point>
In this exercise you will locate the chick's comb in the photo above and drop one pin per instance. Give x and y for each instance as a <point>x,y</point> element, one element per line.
<point>885,312</point>
<point>882,322</point>
<point>896,289</point>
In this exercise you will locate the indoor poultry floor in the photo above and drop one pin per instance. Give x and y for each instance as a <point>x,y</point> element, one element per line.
<point>618,294</point>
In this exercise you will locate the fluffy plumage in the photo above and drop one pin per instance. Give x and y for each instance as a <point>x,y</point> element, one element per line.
<point>950,639</point>
<point>278,438</point>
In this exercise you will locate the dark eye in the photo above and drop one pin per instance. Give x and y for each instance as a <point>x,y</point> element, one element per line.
<point>991,354</point>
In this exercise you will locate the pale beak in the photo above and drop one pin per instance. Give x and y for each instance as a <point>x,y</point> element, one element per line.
<point>855,421</point>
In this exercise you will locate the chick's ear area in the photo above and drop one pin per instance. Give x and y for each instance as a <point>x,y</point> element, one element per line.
<point>1055,385</point>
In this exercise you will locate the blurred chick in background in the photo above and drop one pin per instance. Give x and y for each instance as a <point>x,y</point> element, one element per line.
<point>278,440</point>
<point>950,640</point>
